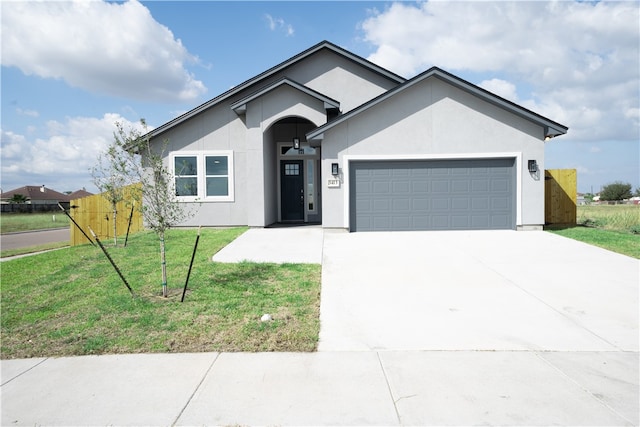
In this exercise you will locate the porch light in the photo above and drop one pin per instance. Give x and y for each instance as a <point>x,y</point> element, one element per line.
<point>296,143</point>
<point>334,169</point>
<point>533,166</point>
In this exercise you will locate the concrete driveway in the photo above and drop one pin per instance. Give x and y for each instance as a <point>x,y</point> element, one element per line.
<point>459,290</point>
<point>475,290</point>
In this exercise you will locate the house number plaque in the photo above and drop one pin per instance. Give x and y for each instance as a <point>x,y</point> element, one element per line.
<point>333,183</point>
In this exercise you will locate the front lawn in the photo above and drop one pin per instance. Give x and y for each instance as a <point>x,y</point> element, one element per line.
<point>617,241</point>
<point>612,227</point>
<point>72,302</point>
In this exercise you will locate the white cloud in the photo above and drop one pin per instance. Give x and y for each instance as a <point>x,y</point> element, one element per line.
<point>501,88</point>
<point>29,113</point>
<point>63,157</point>
<point>109,48</point>
<point>580,60</point>
<point>594,149</point>
<point>278,24</point>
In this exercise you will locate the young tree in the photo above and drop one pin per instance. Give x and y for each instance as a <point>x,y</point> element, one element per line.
<point>111,174</point>
<point>160,207</point>
<point>616,191</point>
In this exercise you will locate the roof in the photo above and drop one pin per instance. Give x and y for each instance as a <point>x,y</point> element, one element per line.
<point>270,72</point>
<point>551,128</point>
<point>33,192</point>
<point>240,106</point>
<point>79,194</point>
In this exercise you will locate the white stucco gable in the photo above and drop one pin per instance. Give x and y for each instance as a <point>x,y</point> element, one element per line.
<point>550,128</point>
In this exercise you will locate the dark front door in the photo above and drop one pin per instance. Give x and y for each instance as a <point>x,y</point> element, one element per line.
<point>291,190</point>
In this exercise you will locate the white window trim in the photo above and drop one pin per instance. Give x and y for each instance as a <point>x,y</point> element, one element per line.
<point>200,161</point>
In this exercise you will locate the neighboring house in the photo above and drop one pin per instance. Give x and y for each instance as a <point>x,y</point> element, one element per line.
<point>38,199</point>
<point>36,195</point>
<point>328,137</point>
<point>79,194</point>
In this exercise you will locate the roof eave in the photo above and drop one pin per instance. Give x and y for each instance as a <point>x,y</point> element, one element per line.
<point>551,128</point>
<point>240,107</point>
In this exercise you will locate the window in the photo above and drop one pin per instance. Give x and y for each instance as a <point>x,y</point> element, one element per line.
<point>186,173</point>
<point>291,169</point>
<point>205,176</point>
<point>217,175</point>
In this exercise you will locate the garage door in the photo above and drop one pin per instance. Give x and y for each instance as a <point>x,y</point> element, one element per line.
<point>474,194</point>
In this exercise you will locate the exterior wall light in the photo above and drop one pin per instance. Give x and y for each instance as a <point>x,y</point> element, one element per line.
<point>533,166</point>
<point>296,143</point>
<point>334,169</point>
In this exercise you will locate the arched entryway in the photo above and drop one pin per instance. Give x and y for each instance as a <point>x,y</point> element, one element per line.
<point>292,173</point>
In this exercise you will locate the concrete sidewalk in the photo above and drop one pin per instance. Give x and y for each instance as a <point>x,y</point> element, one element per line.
<point>301,245</point>
<point>328,388</point>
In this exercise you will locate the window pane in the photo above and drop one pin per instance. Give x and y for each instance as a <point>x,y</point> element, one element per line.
<point>304,150</point>
<point>291,169</point>
<point>186,186</point>
<point>186,166</point>
<point>310,180</point>
<point>217,186</point>
<point>217,165</point>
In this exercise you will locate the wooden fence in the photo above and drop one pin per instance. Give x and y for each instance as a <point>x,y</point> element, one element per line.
<point>96,212</point>
<point>560,196</point>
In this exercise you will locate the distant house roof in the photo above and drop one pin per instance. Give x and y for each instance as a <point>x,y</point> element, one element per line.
<point>35,193</point>
<point>551,128</point>
<point>283,65</point>
<point>79,194</point>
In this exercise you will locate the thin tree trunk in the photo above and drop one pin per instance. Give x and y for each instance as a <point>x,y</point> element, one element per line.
<point>115,226</point>
<point>164,265</point>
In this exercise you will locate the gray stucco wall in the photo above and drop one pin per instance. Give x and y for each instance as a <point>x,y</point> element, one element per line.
<point>252,137</point>
<point>433,119</point>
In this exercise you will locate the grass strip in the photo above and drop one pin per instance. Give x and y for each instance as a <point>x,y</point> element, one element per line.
<point>33,249</point>
<point>610,217</point>
<point>13,222</point>
<point>71,301</point>
<point>617,241</point>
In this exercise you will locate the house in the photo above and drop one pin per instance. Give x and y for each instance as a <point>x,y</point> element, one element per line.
<point>79,194</point>
<point>328,137</point>
<point>36,199</point>
<point>36,195</point>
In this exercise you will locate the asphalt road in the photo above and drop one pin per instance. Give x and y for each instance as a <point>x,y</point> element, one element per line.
<point>33,238</point>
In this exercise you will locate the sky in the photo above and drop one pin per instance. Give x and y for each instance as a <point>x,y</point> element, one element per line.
<point>72,69</point>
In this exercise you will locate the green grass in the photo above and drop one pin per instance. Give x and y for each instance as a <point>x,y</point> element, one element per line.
<point>12,222</point>
<point>612,227</point>
<point>72,302</point>
<point>33,249</point>
<point>610,217</point>
<point>616,241</point>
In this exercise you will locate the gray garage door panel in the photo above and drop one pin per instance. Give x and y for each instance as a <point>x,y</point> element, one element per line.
<point>433,195</point>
